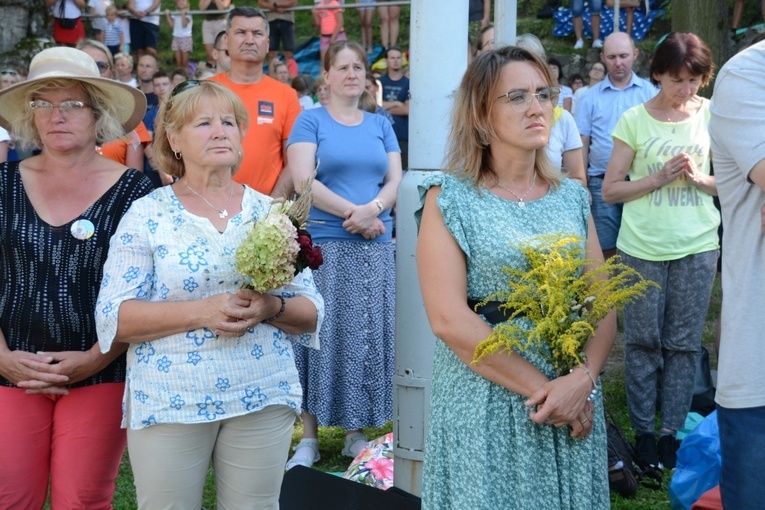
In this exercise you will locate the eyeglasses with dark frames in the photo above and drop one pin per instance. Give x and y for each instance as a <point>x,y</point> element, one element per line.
<point>9,71</point>
<point>46,107</point>
<point>520,100</point>
<point>102,66</point>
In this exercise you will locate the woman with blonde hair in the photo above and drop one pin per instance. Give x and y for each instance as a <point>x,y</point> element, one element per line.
<point>521,435</point>
<point>211,374</point>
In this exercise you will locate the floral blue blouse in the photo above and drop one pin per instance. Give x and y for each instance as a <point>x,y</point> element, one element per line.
<point>162,252</point>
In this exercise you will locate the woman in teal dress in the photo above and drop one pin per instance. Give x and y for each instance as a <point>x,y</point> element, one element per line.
<point>506,432</point>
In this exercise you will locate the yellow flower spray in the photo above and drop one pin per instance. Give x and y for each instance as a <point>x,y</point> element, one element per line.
<point>564,304</point>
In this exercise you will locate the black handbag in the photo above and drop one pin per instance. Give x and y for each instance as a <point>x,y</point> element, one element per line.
<point>65,23</point>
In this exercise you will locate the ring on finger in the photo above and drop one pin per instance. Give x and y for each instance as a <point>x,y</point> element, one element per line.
<point>584,421</point>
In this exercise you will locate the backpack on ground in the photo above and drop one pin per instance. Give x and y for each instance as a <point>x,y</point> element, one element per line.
<point>625,468</point>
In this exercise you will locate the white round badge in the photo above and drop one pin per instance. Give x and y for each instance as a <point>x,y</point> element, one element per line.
<point>83,229</point>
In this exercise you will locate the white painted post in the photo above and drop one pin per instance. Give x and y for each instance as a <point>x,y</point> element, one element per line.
<point>439,46</point>
<point>505,22</point>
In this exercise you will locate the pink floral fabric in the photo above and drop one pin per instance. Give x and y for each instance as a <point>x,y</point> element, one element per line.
<point>374,465</point>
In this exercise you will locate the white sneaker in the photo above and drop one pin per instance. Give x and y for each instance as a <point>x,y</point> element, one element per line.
<point>597,43</point>
<point>306,454</point>
<point>579,44</point>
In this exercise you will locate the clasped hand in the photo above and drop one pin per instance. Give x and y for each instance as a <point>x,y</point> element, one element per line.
<point>681,166</point>
<point>360,219</point>
<point>48,372</point>
<point>563,401</point>
<point>233,314</point>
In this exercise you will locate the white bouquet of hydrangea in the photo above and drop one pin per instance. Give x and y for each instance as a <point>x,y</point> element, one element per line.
<point>267,256</point>
<point>279,247</point>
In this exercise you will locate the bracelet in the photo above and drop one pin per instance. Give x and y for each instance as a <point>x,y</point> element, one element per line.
<point>594,386</point>
<point>379,204</point>
<point>280,312</point>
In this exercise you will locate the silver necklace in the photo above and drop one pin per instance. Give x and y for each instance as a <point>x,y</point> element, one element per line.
<point>222,213</point>
<point>521,203</point>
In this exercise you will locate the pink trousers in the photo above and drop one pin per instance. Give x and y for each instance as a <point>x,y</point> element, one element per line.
<point>74,440</point>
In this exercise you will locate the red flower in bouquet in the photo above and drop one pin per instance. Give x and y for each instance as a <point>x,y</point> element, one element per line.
<point>309,255</point>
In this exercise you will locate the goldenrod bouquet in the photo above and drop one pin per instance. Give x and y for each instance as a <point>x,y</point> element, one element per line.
<point>564,303</point>
<point>279,247</point>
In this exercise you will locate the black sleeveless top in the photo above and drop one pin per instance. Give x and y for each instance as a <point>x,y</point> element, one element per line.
<point>49,278</point>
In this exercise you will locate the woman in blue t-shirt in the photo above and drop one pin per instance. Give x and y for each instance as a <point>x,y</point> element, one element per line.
<point>347,383</point>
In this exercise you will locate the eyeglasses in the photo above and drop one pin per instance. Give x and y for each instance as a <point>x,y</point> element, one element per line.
<point>102,66</point>
<point>520,101</point>
<point>46,108</point>
<point>9,71</point>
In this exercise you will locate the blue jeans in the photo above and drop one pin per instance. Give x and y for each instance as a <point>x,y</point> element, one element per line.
<point>742,443</point>
<point>577,7</point>
<point>607,218</point>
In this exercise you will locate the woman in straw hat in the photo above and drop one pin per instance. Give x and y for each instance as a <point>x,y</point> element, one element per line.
<point>171,289</point>
<point>59,394</point>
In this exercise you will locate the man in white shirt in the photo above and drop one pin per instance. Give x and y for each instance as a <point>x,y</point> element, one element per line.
<point>738,153</point>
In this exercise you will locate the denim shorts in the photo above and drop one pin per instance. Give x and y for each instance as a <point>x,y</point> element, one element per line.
<point>594,7</point>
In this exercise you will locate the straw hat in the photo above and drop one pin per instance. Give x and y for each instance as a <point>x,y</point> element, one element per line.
<point>62,62</point>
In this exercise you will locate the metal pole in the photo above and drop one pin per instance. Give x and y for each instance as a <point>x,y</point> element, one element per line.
<point>437,33</point>
<point>616,15</point>
<point>505,22</point>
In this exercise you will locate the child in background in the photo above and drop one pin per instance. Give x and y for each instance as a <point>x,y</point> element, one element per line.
<point>113,35</point>
<point>302,87</point>
<point>98,9</point>
<point>330,24</point>
<point>182,43</point>
<point>162,85</point>
<point>322,92</point>
<point>179,76</point>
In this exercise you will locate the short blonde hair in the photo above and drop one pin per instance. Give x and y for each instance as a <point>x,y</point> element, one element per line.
<point>124,56</point>
<point>108,126</point>
<point>177,110</point>
<point>468,153</point>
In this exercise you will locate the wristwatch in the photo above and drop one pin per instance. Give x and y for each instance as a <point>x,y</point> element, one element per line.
<point>379,205</point>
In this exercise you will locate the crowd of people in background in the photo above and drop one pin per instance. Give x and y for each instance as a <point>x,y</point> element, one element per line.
<point>180,163</point>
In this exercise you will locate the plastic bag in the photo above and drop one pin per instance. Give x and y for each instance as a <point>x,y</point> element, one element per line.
<point>698,464</point>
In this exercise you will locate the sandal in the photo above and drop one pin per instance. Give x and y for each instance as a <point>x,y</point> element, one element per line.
<point>354,444</point>
<point>306,454</point>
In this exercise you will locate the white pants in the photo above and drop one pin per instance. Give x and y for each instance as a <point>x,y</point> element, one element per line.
<point>170,461</point>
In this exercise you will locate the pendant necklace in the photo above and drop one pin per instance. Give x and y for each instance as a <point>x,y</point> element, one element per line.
<point>521,203</point>
<point>222,213</point>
